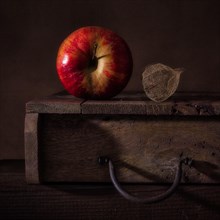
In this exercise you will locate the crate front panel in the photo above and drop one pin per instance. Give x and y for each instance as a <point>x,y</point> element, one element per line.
<point>144,149</point>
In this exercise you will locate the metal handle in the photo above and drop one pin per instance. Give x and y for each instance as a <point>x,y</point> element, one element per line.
<point>153,199</point>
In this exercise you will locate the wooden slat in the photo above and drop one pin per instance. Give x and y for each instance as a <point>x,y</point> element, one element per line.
<point>60,103</point>
<point>138,104</point>
<point>126,107</point>
<point>180,104</point>
<point>144,149</point>
<point>31,147</point>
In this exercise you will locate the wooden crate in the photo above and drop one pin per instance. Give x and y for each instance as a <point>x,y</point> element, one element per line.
<point>65,136</point>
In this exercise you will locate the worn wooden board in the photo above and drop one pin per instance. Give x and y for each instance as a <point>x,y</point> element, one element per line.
<point>144,149</point>
<point>138,104</point>
<point>97,201</point>
<point>134,103</point>
<point>31,139</point>
<point>60,103</point>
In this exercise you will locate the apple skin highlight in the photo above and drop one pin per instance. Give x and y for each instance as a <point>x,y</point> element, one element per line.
<point>94,63</point>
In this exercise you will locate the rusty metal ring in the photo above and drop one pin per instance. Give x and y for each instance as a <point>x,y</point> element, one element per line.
<point>154,199</point>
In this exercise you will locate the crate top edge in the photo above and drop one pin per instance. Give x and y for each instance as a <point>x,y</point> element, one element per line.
<point>186,104</point>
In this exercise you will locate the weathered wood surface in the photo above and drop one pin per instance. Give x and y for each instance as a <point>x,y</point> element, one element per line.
<point>144,149</point>
<point>179,104</point>
<point>58,103</point>
<point>139,104</point>
<point>88,201</point>
<point>31,147</point>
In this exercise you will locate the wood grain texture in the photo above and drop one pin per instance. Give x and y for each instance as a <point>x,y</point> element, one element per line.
<point>193,108</point>
<point>137,104</point>
<point>31,147</point>
<point>97,201</point>
<point>144,149</point>
<point>127,107</point>
<point>144,139</point>
<point>57,103</point>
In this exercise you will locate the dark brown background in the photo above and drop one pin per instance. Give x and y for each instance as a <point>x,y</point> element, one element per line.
<point>180,33</point>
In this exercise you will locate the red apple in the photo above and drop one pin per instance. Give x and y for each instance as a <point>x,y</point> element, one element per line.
<point>94,63</point>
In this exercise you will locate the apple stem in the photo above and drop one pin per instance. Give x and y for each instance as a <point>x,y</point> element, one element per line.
<point>94,50</point>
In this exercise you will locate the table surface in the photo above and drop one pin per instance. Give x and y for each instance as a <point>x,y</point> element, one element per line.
<point>19,200</point>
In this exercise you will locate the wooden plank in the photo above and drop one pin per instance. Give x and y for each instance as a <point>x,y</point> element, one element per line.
<point>180,104</point>
<point>144,149</point>
<point>94,201</point>
<point>126,107</point>
<point>60,103</point>
<point>138,104</point>
<point>31,147</point>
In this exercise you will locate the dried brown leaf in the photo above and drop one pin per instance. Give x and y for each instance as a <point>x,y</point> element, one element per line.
<point>160,81</point>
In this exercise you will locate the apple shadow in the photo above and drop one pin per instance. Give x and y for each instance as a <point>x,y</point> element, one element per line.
<point>71,145</point>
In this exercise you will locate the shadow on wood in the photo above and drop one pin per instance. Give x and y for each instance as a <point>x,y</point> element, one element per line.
<point>70,148</point>
<point>207,168</point>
